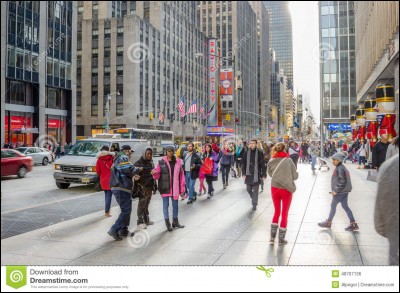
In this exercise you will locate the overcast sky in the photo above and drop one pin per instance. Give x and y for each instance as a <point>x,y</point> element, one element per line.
<point>306,52</point>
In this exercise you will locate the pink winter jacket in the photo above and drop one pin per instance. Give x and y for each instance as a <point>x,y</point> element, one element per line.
<point>178,180</point>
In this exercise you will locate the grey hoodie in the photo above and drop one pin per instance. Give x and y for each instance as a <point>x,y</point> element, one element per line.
<point>285,175</point>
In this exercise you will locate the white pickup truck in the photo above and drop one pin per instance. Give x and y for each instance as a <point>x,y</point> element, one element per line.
<point>79,165</point>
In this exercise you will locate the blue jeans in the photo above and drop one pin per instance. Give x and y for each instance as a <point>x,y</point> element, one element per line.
<point>124,201</point>
<point>225,173</point>
<point>166,206</point>
<point>108,195</point>
<point>190,183</point>
<point>313,161</point>
<point>361,159</point>
<point>340,198</point>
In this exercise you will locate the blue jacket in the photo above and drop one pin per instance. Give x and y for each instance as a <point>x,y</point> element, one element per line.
<point>122,173</point>
<point>226,158</point>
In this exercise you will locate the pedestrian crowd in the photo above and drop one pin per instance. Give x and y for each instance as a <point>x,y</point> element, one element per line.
<point>175,179</point>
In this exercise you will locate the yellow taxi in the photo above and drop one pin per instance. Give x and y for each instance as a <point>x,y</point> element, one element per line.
<point>183,147</point>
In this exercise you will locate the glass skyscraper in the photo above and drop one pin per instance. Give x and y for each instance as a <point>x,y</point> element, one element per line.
<point>37,77</point>
<point>337,60</point>
<point>281,36</point>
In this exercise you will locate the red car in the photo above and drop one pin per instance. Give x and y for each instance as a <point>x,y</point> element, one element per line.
<point>15,163</point>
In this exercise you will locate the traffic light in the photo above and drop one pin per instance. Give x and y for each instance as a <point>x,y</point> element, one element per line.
<point>228,117</point>
<point>237,120</point>
<point>151,116</point>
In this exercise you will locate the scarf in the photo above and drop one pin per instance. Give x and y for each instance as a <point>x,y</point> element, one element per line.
<point>255,180</point>
<point>238,150</point>
<point>281,155</point>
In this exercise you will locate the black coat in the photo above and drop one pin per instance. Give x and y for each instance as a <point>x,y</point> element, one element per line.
<point>379,154</point>
<point>196,161</point>
<point>262,168</point>
<point>146,179</point>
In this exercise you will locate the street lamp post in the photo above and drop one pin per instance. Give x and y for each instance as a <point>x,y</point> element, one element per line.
<point>108,110</point>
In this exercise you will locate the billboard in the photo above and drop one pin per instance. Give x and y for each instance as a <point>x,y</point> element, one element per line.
<point>226,84</point>
<point>212,80</point>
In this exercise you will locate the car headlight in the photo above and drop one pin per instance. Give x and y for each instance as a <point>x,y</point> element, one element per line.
<point>57,167</point>
<point>91,169</point>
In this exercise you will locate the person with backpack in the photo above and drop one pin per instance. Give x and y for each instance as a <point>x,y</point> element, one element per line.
<point>147,187</point>
<point>191,165</point>
<point>121,182</point>
<point>104,164</point>
<point>171,184</point>
<point>341,187</point>
<point>283,174</point>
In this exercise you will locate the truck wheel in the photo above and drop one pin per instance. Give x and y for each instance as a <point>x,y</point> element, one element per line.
<point>63,185</point>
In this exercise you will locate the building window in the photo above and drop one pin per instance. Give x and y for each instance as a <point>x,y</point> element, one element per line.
<point>95,34</point>
<point>107,71</point>
<point>107,33</point>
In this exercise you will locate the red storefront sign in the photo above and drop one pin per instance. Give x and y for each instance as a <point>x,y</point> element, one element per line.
<point>18,122</point>
<point>55,123</point>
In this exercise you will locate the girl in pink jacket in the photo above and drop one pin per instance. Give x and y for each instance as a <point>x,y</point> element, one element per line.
<point>171,184</point>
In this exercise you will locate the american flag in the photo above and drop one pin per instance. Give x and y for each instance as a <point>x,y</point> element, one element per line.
<point>161,116</point>
<point>181,107</point>
<point>193,108</point>
<point>203,108</point>
<point>209,111</point>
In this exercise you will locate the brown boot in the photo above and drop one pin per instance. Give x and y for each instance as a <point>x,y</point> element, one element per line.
<point>107,215</point>
<point>282,234</point>
<point>274,229</point>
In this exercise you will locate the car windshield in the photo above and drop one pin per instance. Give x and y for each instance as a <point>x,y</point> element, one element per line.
<point>87,148</point>
<point>21,150</point>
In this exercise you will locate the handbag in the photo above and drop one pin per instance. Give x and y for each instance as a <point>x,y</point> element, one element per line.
<point>208,166</point>
<point>372,175</point>
<point>137,191</point>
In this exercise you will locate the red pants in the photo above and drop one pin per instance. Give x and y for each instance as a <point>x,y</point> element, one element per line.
<point>281,195</point>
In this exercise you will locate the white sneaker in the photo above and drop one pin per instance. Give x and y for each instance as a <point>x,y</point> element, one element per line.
<point>141,226</point>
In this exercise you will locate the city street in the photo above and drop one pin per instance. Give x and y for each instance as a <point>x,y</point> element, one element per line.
<point>42,225</point>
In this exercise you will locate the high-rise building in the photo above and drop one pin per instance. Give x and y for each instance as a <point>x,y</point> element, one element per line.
<point>38,104</point>
<point>377,40</point>
<point>263,66</point>
<point>337,64</point>
<point>281,36</point>
<point>142,54</point>
<point>234,24</point>
<point>278,97</point>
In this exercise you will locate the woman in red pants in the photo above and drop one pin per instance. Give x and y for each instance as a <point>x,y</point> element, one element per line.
<point>283,174</point>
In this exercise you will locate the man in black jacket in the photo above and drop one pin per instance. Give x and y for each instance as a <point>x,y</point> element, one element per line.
<point>148,186</point>
<point>379,152</point>
<point>254,171</point>
<point>191,165</point>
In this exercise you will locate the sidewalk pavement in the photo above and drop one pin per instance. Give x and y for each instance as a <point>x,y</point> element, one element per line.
<point>218,231</point>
